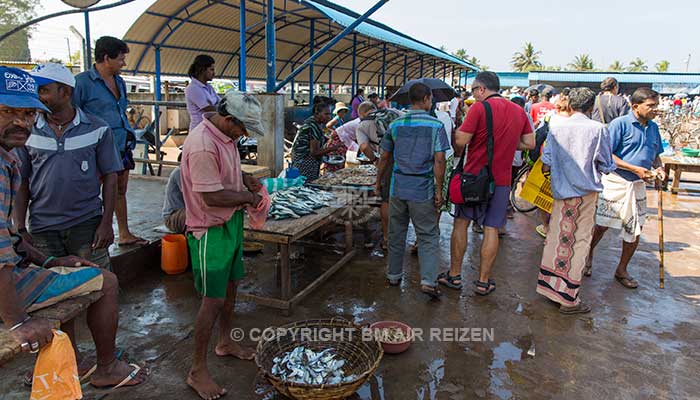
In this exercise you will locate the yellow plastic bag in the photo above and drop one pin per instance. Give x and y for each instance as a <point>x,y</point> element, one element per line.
<point>56,371</point>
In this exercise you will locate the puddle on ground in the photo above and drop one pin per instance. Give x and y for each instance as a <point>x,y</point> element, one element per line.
<point>432,377</point>
<point>503,355</point>
<point>373,389</point>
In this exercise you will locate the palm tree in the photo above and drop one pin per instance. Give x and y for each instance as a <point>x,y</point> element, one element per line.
<point>475,61</point>
<point>526,60</point>
<point>461,54</point>
<point>638,65</point>
<point>616,66</point>
<point>662,66</point>
<point>443,48</point>
<point>583,62</point>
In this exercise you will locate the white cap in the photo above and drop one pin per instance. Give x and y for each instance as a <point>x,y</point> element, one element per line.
<point>246,108</point>
<point>52,72</point>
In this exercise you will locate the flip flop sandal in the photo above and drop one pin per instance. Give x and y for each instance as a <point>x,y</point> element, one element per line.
<point>627,282</point>
<point>588,271</point>
<point>448,280</point>
<point>120,354</point>
<point>432,291</point>
<point>126,380</point>
<point>487,287</point>
<point>580,308</point>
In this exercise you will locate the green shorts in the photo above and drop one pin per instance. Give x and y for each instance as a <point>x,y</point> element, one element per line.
<point>217,258</point>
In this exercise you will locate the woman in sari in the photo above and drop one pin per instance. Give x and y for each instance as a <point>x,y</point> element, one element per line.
<point>308,148</point>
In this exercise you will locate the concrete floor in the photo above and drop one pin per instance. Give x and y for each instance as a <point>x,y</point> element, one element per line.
<point>639,344</point>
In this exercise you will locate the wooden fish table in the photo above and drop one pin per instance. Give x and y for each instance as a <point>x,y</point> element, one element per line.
<point>288,232</point>
<point>680,164</point>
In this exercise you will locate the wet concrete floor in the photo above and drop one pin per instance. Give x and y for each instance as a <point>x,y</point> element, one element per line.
<point>641,344</point>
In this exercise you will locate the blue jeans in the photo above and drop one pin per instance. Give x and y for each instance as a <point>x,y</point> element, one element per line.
<point>424,218</point>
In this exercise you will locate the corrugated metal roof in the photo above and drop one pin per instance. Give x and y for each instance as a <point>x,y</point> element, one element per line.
<point>185,28</point>
<point>507,79</point>
<point>622,77</point>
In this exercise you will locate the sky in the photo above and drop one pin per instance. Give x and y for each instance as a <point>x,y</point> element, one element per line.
<point>607,30</point>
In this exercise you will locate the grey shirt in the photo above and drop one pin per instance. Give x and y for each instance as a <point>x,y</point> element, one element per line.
<point>64,173</point>
<point>173,194</point>
<point>612,107</point>
<point>578,150</point>
<point>367,133</point>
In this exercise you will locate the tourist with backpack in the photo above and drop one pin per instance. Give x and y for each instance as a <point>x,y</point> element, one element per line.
<point>480,188</point>
<point>369,135</point>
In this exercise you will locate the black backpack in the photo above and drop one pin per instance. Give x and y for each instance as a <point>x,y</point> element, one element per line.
<point>540,136</point>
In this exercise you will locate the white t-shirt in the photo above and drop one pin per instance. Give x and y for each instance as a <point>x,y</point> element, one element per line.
<point>347,134</point>
<point>454,104</point>
<point>449,127</point>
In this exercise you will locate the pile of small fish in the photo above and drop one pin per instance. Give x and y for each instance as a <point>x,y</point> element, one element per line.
<point>393,335</point>
<point>298,201</point>
<point>338,177</point>
<point>306,366</point>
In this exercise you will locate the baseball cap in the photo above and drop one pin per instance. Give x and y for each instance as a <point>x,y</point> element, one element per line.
<point>246,108</point>
<point>18,89</point>
<point>52,72</point>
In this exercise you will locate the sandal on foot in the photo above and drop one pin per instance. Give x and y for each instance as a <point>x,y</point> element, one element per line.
<point>484,288</point>
<point>432,291</point>
<point>627,281</point>
<point>444,278</point>
<point>588,270</point>
<point>580,308</point>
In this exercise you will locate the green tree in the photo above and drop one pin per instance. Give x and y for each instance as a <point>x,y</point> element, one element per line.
<point>638,65</point>
<point>616,66</point>
<point>443,48</point>
<point>582,62</point>
<point>554,68</point>
<point>526,60</point>
<point>12,14</point>
<point>461,54</point>
<point>662,66</point>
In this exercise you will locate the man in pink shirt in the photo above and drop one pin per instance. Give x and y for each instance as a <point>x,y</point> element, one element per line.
<point>215,192</point>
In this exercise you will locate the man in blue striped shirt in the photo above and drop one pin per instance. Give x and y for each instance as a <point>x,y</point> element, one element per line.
<point>416,142</point>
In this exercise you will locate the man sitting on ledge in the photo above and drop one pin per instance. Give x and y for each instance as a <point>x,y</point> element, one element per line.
<point>29,280</point>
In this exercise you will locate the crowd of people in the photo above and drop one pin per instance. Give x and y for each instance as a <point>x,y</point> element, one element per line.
<point>66,151</point>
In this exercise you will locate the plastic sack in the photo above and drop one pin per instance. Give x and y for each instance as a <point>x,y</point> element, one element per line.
<point>56,371</point>
<point>276,184</point>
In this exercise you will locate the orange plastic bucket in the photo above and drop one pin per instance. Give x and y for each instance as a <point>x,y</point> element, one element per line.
<point>173,255</point>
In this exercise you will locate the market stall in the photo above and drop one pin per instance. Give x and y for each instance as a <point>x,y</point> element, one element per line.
<point>680,164</point>
<point>287,232</point>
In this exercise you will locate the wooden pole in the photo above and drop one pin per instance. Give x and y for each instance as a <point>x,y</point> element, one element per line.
<point>661,236</point>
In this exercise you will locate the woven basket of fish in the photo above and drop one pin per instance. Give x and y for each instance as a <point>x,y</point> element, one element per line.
<point>320,359</point>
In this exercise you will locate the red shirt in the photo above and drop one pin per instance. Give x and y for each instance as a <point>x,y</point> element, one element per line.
<point>509,123</point>
<point>539,110</point>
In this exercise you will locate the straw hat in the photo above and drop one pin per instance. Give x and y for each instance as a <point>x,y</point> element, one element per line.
<point>340,106</point>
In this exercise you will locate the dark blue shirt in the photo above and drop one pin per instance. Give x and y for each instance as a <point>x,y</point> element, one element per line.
<point>413,139</point>
<point>633,143</point>
<point>92,95</point>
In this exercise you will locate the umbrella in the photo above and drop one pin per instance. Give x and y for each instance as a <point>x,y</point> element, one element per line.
<point>540,87</point>
<point>441,90</point>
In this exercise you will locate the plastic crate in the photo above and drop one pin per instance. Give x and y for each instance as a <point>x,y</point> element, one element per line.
<point>537,189</point>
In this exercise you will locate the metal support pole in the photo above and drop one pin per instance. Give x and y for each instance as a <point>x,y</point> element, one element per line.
<point>312,37</point>
<point>434,68</point>
<point>156,91</point>
<point>444,72</point>
<point>242,70</point>
<point>405,67</point>
<point>354,64</point>
<point>452,77</point>
<point>271,53</point>
<point>383,86</point>
<point>88,43</point>
<point>332,42</point>
<point>330,82</point>
<point>421,66</point>
<point>292,83</point>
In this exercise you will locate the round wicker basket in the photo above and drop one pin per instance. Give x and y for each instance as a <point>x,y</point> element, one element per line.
<point>362,356</point>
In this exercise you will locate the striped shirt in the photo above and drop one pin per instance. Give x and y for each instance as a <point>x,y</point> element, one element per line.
<point>64,173</point>
<point>413,139</point>
<point>9,184</point>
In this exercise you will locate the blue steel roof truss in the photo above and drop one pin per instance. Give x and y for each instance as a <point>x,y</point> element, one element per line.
<point>185,14</point>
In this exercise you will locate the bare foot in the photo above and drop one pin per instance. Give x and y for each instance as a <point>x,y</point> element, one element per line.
<point>115,373</point>
<point>234,349</point>
<point>131,239</point>
<point>205,387</point>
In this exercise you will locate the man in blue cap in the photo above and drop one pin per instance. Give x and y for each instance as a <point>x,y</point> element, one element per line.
<point>68,161</point>
<point>29,280</point>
